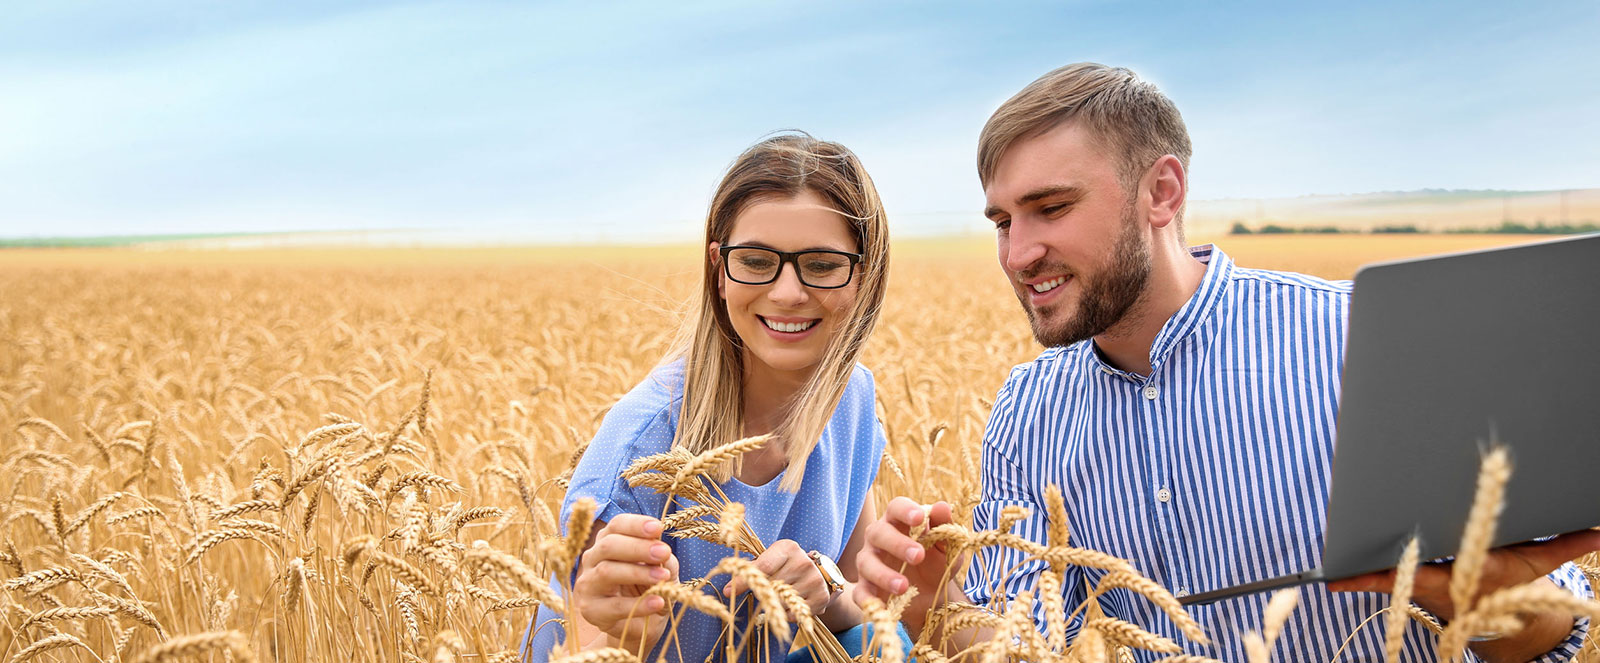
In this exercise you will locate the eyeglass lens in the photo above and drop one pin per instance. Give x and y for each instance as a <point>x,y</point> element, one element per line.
<point>817,269</point>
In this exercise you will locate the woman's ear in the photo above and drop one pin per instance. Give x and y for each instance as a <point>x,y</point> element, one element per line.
<point>716,266</point>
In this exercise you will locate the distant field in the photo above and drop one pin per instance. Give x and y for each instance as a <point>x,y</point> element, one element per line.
<point>1328,256</point>
<point>1429,211</point>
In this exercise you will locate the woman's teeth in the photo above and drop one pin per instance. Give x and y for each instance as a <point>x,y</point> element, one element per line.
<point>1047,286</point>
<point>789,327</point>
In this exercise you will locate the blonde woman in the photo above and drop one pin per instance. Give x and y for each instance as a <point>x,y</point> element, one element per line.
<point>796,256</point>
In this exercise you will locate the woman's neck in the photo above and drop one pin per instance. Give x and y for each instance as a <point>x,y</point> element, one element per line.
<point>768,398</point>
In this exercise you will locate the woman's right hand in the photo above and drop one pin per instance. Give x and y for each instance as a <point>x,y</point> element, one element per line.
<point>626,558</point>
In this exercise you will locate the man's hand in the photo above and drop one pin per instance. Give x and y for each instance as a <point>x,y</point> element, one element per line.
<point>1504,567</point>
<point>627,557</point>
<point>891,562</point>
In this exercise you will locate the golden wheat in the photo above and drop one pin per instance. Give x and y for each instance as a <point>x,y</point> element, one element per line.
<point>156,406</point>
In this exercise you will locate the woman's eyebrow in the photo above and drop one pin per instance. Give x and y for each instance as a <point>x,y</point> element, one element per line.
<point>764,245</point>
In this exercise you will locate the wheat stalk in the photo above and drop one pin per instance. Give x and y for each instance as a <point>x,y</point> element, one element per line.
<point>1119,632</point>
<point>1258,646</point>
<point>58,614</point>
<point>189,646</point>
<point>43,645</point>
<point>1394,622</point>
<point>1493,475</point>
<point>605,655</point>
<point>1157,595</point>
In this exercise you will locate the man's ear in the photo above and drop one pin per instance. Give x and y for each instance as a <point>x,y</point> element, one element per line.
<point>716,266</point>
<point>1167,187</point>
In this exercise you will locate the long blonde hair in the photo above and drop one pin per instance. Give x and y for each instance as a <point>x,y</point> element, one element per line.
<point>779,167</point>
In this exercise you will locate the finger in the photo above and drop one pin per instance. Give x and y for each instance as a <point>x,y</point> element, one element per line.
<point>611,574</point>
<point>893,541</point>
<point>798,569</point>
<point>775,558</point>
<point>620,547</point>
<point>872,570</point>
<point>806,579</point>
<point>904,513</point>
<point>618,608</point>
<point>802,574</point>
<point>734,587</point>
<point>635,525</point>
<point>940,513</point>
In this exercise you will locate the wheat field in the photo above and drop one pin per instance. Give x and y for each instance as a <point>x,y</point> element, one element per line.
<point>358,454</point>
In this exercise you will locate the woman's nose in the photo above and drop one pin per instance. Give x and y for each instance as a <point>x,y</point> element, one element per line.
<point>787,290</point>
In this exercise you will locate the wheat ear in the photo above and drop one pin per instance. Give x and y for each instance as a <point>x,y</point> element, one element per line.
<point>186,646</point>
<point>41,646</point>
<point>1394,622</point>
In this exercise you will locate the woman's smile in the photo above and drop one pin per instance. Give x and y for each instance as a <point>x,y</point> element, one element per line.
<point>788,328</point>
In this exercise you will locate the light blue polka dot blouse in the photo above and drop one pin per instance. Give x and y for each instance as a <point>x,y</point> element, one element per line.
<point>819,516</point>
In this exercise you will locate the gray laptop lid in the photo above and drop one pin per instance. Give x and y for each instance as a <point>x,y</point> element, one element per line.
<point>1445,354</point>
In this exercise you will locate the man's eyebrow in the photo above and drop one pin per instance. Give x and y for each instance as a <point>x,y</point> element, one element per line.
<point>1050,192</point>
<point>1038,194</point>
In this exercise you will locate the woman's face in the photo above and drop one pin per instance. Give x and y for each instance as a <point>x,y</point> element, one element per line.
<point>786,325</point>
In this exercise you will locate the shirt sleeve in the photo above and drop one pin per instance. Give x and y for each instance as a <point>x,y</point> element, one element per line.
<point>1571,578</point>
<point>998,574</point>
<point>628,432</point>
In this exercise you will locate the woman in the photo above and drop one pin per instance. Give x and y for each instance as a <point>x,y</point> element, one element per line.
<point>794,273</point>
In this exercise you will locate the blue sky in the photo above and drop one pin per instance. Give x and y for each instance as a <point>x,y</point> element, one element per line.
<point>613,120</point>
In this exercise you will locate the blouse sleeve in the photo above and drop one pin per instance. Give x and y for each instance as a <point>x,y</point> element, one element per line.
<point>628,432</point>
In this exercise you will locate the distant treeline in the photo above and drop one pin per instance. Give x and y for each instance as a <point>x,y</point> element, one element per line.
<point>1505,228</point>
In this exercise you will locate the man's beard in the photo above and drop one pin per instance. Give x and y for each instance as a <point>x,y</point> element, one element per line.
<point>1105,300</point>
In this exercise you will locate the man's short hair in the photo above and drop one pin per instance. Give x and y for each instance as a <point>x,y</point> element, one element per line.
<point>1130,118</point>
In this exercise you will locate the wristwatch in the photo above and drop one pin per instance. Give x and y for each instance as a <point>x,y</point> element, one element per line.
<point>830,572</point>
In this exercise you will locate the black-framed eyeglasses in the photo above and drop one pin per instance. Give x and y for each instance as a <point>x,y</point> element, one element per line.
<point>759,265</point>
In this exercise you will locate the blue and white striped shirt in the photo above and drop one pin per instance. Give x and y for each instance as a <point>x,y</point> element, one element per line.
<point>1211,472</point>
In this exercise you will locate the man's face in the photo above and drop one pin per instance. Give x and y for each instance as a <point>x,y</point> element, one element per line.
<point>1070,239</point>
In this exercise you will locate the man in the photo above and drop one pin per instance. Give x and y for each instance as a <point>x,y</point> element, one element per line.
<point>1184,405</point>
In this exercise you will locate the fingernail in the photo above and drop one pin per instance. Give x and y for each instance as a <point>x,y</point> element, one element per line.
<point>653,527</point>
<point>659,551</point>
<point>898,585</point>
<point>912,553</point>
<point>659,573</point>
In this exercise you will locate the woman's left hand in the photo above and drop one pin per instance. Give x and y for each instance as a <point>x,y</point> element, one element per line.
<point>785,560</point>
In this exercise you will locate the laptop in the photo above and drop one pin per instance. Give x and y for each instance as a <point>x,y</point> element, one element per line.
<point>1445,355</point>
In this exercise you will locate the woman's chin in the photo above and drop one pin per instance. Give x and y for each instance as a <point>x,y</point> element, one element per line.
<point>787,362</point>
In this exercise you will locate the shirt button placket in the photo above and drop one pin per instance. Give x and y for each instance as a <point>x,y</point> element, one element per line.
<point>1160,469</point>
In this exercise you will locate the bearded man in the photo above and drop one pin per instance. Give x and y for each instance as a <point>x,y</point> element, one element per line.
<point>1184,405</point>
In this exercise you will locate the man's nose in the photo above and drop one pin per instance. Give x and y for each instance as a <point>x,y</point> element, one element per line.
<point>787,290</point>
<point>1021,246</point>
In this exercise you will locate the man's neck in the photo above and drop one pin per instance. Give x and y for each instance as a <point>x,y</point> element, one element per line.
<point>1175,275</point>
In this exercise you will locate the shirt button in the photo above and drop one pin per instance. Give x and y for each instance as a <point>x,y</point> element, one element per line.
<point>1163,495</point>
<point>1150,392</point>
<point>1183,591</point>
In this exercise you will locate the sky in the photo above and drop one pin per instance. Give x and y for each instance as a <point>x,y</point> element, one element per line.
<point>613,121</point>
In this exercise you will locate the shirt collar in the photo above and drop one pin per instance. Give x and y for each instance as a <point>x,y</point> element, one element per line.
<point>1201,306</point>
